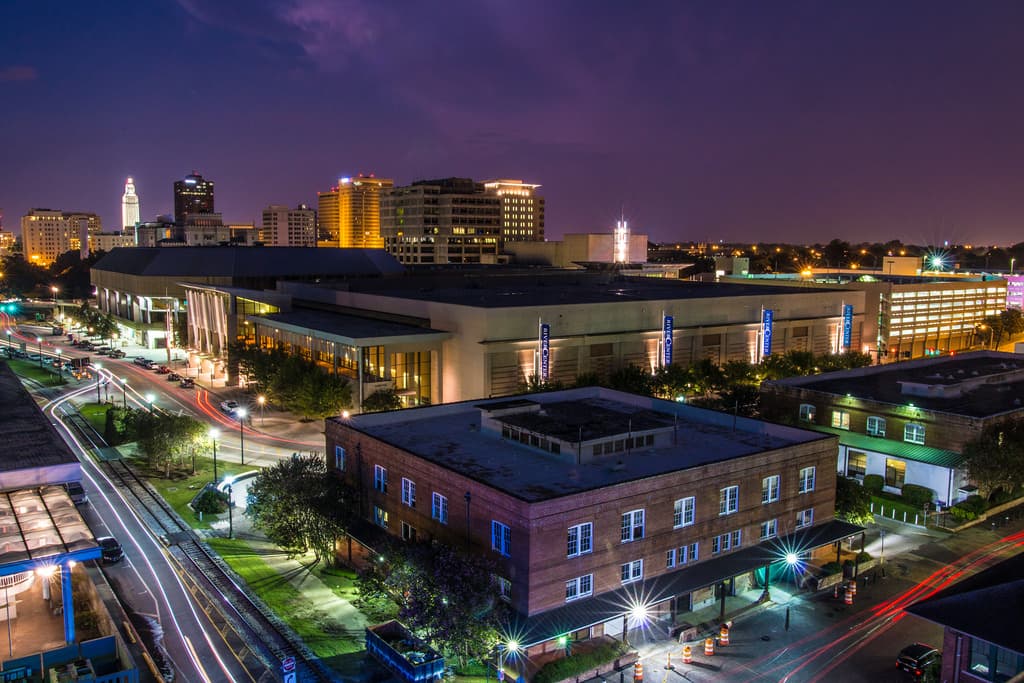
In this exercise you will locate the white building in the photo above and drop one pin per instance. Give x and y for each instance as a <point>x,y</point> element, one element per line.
<point>284,227</point>
<point>129,207</point>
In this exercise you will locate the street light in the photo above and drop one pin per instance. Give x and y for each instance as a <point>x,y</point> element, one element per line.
<point>124,392</point>
<point>214,435</point>
<point>39,340</point>
<point>149,399</point>
<point>241,413</point>
<point>98,375</point>
<point>54,289</point>
<point>261,399</point>
<point>60,364</point>
<point>231,520</point>
<point>10,344</point>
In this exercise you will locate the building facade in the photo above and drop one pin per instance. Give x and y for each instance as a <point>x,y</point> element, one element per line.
<point>284,227</point>
<point>906,422</point>
<point>107,241</point>
<point>594,502</point>
<point>522,210</point>
<point>575,249</point>
<point>192,195</point>
<point>349,214</point>
<point>129,207</point>
<point>46,234</point>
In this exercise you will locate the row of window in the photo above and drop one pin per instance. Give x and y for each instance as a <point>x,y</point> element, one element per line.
<point>912,431</point>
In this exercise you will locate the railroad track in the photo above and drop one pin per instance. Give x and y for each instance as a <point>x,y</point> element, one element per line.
<point>256,624</point>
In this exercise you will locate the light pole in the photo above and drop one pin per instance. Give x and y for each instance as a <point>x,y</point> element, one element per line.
<point>231,520</point>
<point>241,413</point>
<point>150,398</point>
<point>60,364</point>
<point>54,289</point>
<point>98,375</point>
<point>39,340</point>
<point>261,399</point>
<point>124,392</point>
<point>214,435</point>
<point>10,344</point>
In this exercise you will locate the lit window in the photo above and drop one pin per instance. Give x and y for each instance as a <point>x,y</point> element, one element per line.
<point>807,412</point>
<point>380,478</point>
<point>632,571</point>
<point>876,426</point>
<point>840,419</point>
<point>580,539</point>
<point>856,463</point>
<point>729,500</point>
<point>380,516</point>
<point>770,489</point>
<point>895,472</point>
<point>408,492</point>
<point>579,587</point>
<point>769,529</point>
<point>914,433</point>
<point>339,458</point>
<point>807,480</point>
<point>501,538</point>
<point>805,518</point>
<point>632,526</point>
<point>683,513</point>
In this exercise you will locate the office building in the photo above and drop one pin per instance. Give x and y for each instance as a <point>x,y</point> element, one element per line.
<point>595,504</point>
<point>107,241</point>
<point>577,250</point>
<point>907,422</point>
<point>129,207</point>
<point>522,210</point>
<point>349,214</point>
<point>193,194</point>
<point>46,234</point>
<point>284,227</point>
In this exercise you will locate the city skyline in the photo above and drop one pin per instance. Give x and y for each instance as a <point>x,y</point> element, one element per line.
<point>794,123</point>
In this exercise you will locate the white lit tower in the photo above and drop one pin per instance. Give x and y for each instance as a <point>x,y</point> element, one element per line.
<point>129,206</point>
<point>622,241</point>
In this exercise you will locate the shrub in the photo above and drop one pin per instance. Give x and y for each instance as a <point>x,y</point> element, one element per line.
<point>210,501</point>
<point>975,504</point>
<point>874,483</point>
<point>916,496</point>
<point>574,665</point>
<point>830,568</point>
<point>962,514</point>
<point>863,556</point>
<point>1000,496</point>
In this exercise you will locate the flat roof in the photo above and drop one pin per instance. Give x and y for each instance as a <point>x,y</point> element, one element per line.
<point>29,440</point>
<point>977,384</point>
<point>350,329</point>
<point>559,289</point>
<point>451,435</point>
<point>40,526</point>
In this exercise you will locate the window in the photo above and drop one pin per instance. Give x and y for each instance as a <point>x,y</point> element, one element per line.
<point>339,458</point>
<point>579,587</point>
<point>805,518</point>
<point>501,538</point>
<point>807,480</point>
<point>856,463</point>
<point>770,489</point>
<point>580,539</point>
<point>683,513</point>
<point>840,419</point>
<point>439,508</point>
<point>632,571</point>
<point>876,426</point>
<point>670,559</point>
<point>380,478</point>
<point>719,544</point>
<point>380,516</point>
<point>914,433</point>
<point>408,492</point>
<point>504,587</point>
<point>408,532</point>
<point>895,472</point>
<point>729,500</point>
<point>632,526</point>
<point>807,412</point>
<point>769,529</point>
<point>736,538</point>
<point>682,555</point>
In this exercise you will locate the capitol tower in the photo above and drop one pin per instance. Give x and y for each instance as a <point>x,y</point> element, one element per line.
<point>129,207</point>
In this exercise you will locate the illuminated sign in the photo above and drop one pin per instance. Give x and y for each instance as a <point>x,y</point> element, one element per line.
<point>545,351</point>
<point>767,317</point>
<point>666,331</point>
<point>847,325</point>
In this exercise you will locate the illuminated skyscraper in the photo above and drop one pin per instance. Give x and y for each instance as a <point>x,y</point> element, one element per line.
<point>129,207</point>
<point>522,210</point>
<point>192,195</point>
<point>46,234</point>
<point>349,214</point>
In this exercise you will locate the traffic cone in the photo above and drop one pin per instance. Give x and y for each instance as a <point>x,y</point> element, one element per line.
<point>835,591</point>
<point>723,635</point>
<point>687,655</point>
<point>638,672</point>
<point>847,596</point>
<point>853,588</point>
<point>709,647</point>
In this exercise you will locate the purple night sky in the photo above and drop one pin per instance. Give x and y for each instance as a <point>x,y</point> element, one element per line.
<point>795,121</point>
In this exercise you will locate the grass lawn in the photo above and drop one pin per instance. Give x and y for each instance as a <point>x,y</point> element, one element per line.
<point>96,414</point>
<point>322,634</point>
<point>342,581</point>
<point>900,508</point>
<point>31,370</point>
<point>182,487</point>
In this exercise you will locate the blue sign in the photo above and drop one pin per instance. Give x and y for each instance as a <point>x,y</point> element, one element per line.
<point>545,351</point>
<point>767,316</point>
<point>666,332</point>
<point>847,325</point>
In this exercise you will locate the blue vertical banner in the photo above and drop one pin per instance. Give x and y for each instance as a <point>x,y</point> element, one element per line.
<point>767,318</point>
<point>666,341</point>
<point>847,326</point>
<point>545,351</point>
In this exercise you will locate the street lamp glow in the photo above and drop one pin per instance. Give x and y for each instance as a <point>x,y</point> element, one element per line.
<point>241,413</point>
<point>512,646</point>
<point>214,433</point>
<point>792,558</point>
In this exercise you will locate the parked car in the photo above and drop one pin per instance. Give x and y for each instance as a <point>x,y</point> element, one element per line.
<point>162,369</point>
<point>116,353</point>
<point>173,377</point>
<point>187,383</point>
<point>229,407</point>
<point>76,492</point>
<point>111,550</point>
<point>102,351</point>
<point>143,362</point>
<point>917,660</point>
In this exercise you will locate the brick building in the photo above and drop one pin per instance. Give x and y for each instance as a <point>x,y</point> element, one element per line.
<point>908,421</point>
<point>594,501</point>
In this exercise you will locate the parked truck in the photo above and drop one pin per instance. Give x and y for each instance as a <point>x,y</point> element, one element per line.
<point>403,654</point>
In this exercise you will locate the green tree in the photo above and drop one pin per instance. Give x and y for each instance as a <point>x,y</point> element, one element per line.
<point>165,439</point>
<point>633,379</point>
<point>995,458</point>
<point>380,401</point>
<point>672,381</point>
<point>853,501</point>
<point>320,394</point>
<point>706,376</point>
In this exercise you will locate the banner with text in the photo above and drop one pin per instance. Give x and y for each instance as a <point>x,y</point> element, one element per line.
<point>666,342</point>
<point>767,318</point>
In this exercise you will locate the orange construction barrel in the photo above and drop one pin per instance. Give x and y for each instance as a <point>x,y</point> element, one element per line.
<point>853,588</point>
<point>847,596</point>
<point>638,672</point>
<point>723,635</point>
<point>709,646</point>
<point>687,654</point>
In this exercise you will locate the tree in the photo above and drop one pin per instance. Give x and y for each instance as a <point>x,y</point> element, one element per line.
<point>671,381</point>
<point>380,401</point>
<point>166,439</point>
<point>300,506</point>
<point>633,379</point>
<point>853,501</point>
<point>320,395</point>
<point>995,458</point>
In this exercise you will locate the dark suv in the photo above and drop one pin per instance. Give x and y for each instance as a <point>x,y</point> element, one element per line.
<point>918,661</point>
<point>110,549</point>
